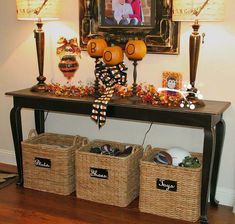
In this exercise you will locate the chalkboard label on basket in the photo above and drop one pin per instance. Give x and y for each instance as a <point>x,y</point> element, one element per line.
<point>167,185</point>
<point>99,173</point>
<point>42,162</point>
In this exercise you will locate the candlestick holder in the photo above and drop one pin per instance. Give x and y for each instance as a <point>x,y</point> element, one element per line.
<point>135,50</point>
<point>134,96</point>
<point>95,49</point>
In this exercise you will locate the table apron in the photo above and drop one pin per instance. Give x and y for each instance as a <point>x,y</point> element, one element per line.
<point>122,112</point>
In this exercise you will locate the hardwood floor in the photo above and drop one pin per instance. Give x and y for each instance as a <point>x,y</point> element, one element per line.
<point>23,206</point>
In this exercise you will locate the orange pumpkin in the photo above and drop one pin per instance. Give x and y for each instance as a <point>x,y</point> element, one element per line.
<point>113,55</point>
<point>135,49</point>
<point>95,47</point>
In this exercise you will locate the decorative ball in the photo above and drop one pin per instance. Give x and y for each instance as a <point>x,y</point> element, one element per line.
<point>95,47</point>
<point>192,106</point>
<point>177,155</point>
<point>135,49</point>
<point>68,65</point>
<point>113,55</point>
<point>189,86</point>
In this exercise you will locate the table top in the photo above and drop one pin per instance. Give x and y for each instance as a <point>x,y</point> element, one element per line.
<point>211,107</point>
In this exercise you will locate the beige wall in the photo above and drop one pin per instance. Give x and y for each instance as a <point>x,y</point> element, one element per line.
<point>216,70</point>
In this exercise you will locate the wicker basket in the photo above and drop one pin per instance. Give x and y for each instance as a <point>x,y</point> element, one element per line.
<point>182,201</point>
<point>107,179</point>
<point>49,162</point>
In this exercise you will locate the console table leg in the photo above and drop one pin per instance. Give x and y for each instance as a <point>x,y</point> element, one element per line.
<point>39,121</point>
<point>208,149</point>
<point>16,129</point>
<point>220,132</point>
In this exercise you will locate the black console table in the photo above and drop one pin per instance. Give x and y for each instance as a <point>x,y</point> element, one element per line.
<point>208,117</point>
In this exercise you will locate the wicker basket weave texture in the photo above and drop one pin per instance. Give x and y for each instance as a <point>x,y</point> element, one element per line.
<point>183,204</point>
<point>60,150</point>
<point>122,185</point>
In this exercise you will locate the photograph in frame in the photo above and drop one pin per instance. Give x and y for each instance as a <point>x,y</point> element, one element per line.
<point>126,13</point>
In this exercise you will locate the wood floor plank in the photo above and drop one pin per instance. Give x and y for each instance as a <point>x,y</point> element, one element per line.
<point>24,206</point>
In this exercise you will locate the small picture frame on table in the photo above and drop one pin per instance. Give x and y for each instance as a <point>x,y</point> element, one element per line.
<point>172,81</point>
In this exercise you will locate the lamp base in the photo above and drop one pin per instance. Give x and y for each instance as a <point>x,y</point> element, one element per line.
<point>197,102</point>
<point>39,88</point>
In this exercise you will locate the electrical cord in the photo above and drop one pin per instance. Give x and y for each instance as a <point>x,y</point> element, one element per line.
<point>149,129</point>
<point>147,133</point>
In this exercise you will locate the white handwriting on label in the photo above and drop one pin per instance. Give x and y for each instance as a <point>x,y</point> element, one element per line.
<point>39,163</point>
<point>167,186</point>
<point>94,173</point>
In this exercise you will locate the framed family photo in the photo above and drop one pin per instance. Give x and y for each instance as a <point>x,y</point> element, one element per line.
<point>117,21</point>
<point>118,13</point>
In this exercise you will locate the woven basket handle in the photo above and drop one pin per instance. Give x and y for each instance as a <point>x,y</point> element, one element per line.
<point>84,141</point>
<point>147,150</point>
<point>135,149</point>
<point>78,140</point>
<point>32,133</point>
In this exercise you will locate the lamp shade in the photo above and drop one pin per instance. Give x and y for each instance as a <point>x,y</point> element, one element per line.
<point>203,10</point>
<point>38,9</point>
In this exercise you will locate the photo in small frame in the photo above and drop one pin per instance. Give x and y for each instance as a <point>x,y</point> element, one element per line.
<point>132,13</point>
<point>172,80</point>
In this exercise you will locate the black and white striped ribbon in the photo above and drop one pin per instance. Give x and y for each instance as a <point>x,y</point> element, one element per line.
<point>109,76</point>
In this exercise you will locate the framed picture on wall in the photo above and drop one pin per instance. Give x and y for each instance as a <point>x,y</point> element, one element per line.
<point>117,21</point>
<point>122,13</point>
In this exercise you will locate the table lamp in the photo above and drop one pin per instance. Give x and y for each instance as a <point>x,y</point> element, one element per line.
<point>196,10</point>
<point>38,10</point>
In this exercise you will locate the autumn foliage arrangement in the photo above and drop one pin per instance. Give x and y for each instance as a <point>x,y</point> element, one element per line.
<point>146,92</point>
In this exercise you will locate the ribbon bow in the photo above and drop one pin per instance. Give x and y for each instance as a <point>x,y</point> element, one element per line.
<point>109,76</point>
<point>68,47</point>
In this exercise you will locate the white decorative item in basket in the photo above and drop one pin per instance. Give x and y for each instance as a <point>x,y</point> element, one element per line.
<point>177,154</point>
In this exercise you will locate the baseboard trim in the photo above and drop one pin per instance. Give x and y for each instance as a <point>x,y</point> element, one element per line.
<point>7,157</point>
<point>225,196</point>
